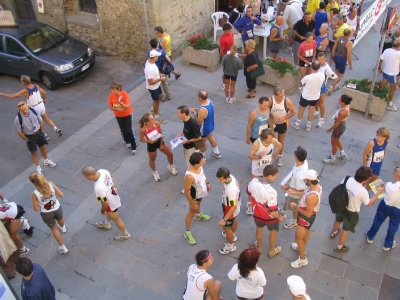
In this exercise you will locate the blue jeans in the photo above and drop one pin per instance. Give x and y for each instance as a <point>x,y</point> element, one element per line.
<point>383,211</point>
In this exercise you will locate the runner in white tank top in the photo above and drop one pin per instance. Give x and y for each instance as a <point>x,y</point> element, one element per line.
<point>262,152</point>
<point>307,210</point>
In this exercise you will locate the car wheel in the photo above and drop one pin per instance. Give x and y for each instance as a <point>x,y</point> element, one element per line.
<point>48,81</point>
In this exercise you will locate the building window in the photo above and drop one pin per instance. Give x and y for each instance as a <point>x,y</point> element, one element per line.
<point>88,6</point>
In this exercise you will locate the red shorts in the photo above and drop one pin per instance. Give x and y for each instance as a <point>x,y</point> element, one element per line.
<point>108,209</point>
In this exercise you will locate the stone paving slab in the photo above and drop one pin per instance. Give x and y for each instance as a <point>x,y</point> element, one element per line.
<point>154,262</point>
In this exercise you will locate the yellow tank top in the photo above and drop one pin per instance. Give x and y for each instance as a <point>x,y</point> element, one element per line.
<point>168,39</point>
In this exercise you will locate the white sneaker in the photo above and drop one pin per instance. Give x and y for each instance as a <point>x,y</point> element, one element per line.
<point>156,176</point>
<point>329,90</point>
<point>280,161</point>
<point>329,160</point>
<point>292,223</point>
<point>316,116</point>
<point>133,152</point>
<point>63,229</point>
<point>226,249</point>
<point>308,127</point>
<point>227,100</point>
<point>128,146</point>
<point>249,209</point>
<point>223,87</point>
<point>233,99</point>
<point>295,125</point>
<point>104,224</point>
<point>320,123</point>
<point>62,250</point>
<point>299,263</point>
<point>234,236</point>
<point>295,247</point>
<point>391,108</point>
<point>342,156</point>
<point>282,213</point>
<point>50,163</point>
<point>230,101</point>
<point>172,169</point>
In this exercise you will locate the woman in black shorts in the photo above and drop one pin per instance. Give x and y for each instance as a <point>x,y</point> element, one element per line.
<point>231,63</point>
<point>151,134</point>
<point>308,208</point>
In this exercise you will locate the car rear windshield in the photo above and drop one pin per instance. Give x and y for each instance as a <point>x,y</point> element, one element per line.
<point>43,38</point>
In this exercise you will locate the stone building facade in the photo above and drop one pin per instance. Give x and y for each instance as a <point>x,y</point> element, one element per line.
<point>120,28</point>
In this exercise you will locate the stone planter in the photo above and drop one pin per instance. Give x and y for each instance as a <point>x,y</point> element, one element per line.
<point>205,58</point>
<point>289,82</point>
<point>377,108</point>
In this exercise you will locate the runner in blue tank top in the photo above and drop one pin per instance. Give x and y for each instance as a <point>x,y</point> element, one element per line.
<point>375,152</point>
<point>204,116</point>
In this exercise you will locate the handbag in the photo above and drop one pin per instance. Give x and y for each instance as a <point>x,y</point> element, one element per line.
<point>200,144</point>
<point>257,71</point>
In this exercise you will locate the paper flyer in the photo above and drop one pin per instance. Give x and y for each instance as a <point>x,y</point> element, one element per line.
<point>375,184</point>
<point>177,141</point>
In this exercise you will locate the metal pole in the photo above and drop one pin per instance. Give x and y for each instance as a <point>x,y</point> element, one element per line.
<point>376,67</point>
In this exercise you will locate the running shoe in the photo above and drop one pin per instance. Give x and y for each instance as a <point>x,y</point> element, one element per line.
<point>282,213</point>
<point>172,169</point>
<point>280,161</point>
<point>391,108</point>
<point>59,133</point>
<point>122,236</point>
<point>202,217</point>
<point>39,171</point>
<point>329,90</point>
<point>368,240</point>
<point>320,122</point>
<point>329,160</point>
<point>103,224</point>
<point>336,87</point>
<point>151,111</point>
<point>299,263</point>
<point>62,250</point>
<point>234,236</point>
<point>63,229</point>
<point>333,235</point>
<point>128,146</point>
<point>226,249</point>
<point>48,162</point>
<point>223,87</point>
<point>344,249</point>
<point>156,176</point>
<point>227,99</point>
<point>249,209</point>
<point>388,248</point>
<point>233,100</point>
<point>217,155</point>
<point>342,155</point>
<point>316,115</point>
<point>308,127</point>
<point>24,252</point>
<point>133,152</point>
<point>295,125</point>
<point>292,223</point>
<point>188,236</point>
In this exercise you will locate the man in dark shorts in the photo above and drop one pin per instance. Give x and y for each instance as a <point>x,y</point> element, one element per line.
<point>264,199</point>
<point>357,195</point>
<point>307,211</point>
<point>311,85</point>
<point>230,208</point>
<point>281,110</point>
<point>29,126</point>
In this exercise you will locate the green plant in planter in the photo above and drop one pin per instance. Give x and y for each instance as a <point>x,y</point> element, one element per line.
<point>281,66</point>
<point>364,85</point>
<point>200,42</point>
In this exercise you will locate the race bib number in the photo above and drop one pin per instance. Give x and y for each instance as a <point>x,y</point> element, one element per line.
<point>249,33</point>
<point>378,156</point>
<point>309,53</point>
<point>265,160</point>
<point>262,127</point>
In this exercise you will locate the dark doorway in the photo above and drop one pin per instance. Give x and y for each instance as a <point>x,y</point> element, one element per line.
<point>25,10</point>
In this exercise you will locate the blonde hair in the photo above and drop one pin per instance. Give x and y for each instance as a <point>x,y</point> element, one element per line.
<point>144,119</point>
<point>251,44</point>
<point>41,183</point>
<point>384,131</point>
<point>25,79</point>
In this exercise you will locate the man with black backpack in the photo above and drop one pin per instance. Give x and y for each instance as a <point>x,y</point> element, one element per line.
<point>29,126</point>
<point>357,195</point>
<point>163,64</point>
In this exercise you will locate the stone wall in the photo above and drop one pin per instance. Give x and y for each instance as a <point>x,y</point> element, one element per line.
<point>119,28</point>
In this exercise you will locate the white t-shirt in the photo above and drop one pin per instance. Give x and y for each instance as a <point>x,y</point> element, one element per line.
<point>231,195</point>
<point>262,192</point>
<point>295,181</point>
<point>298,5</point>
<point>195,289</point>
<point>391,61</point>
<point>8,211</point>
<point>105,190</point>
<point>327,71</point>
<point>47,203</point>
<point>393,194</point>
<point>357,195</point>
<point>250,287</point>
<point>151,72</point>
<point>313,84</point>
<point>291,15</point>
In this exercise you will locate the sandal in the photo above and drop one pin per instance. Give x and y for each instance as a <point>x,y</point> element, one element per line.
<point>277,250</point>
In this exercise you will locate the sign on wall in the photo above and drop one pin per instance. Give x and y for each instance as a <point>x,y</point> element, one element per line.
<point>370,17</point>
<point>6,18</point>
<point>40,6</point>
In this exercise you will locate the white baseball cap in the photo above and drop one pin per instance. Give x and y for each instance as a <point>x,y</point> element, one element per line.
<point>154,53</point>
<point>296,285</point>
<point>310,175</point>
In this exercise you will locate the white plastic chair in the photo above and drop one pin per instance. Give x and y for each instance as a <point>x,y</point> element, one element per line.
<point>215,17</point>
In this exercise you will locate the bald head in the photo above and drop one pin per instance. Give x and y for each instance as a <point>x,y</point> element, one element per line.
<point>89,173</point>
<point>202,95</point>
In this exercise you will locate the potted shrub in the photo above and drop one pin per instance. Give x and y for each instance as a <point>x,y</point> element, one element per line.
<point>359,91</point>
<point>280,72</point>
<point>199,50</point>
